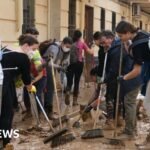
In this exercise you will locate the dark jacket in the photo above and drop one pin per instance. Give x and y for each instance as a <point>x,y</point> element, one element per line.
<point>112,69</point>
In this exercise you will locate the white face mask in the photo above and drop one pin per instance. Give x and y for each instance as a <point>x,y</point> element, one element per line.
<point>30,54</point>
<point>65,49</point>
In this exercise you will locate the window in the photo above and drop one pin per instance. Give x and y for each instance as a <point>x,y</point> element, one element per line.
<point>113,21</point>
<point>141,24</point>
<point>28,14</point>
<point>102,19</point>
<point>72,17</point>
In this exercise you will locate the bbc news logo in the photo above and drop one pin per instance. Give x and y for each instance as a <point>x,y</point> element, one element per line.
<point>9,133</point>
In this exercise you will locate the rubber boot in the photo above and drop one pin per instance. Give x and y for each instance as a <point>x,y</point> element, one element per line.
<point>120,121</point>
<point>67,98</point>
<point>75,103</point>
<point>85,115</point>
<point>49,112</point>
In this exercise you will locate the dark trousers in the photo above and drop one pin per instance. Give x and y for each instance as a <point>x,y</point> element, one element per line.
<point>7,112</point>
<point>49,91</point>
<point>111,97</point>
<point>74,72</point>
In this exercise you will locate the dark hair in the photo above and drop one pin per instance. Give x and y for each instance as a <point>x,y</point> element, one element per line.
<point>97,35</point>
<point>67,40</point>
<point>124,27</point>
<point>108,34</point>
<point>32,30</point>
<point>27,39</point>
<point>77,35</point>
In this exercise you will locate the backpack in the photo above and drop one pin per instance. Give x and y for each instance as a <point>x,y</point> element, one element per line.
<point>45,45</point>
<point>74,54</point>
<point>140,41</point>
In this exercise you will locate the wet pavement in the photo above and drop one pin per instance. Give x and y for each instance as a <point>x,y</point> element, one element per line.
<point>32,139</point>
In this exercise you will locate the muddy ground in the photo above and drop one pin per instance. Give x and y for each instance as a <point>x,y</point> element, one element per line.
<point>30,139</point>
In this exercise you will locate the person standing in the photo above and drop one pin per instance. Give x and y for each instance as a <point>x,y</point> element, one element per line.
<point>75,69</point>
<point>61,55</point>
<point>13,59</point>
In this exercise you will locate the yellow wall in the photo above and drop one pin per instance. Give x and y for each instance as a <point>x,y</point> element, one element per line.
<point>11,15</point>
<point>8,32</point>
<point>51,17</point>
<point>41,18</point>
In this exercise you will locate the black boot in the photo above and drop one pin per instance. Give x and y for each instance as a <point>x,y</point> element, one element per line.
<point>67,98</point>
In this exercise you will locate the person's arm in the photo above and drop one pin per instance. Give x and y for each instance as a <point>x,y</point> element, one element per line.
<point>134,73</point>
<point>37,78</point>
<point>87,49</point>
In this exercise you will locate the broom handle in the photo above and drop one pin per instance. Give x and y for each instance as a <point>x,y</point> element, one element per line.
<point>44,113</point>
<point>100,94</point>
<point>55,88</point>
<point>34,109</point>
<point>118,91</point>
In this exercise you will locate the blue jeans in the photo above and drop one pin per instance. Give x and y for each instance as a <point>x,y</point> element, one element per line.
<point>49,94</point>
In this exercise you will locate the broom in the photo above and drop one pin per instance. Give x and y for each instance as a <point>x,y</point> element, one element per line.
<point>68,137</point>
<point>114,141</point>
<point>87,109</point>
<point>96,133</point>
<point>55,134</point>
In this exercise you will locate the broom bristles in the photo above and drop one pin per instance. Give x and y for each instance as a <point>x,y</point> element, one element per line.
<point>61,140</point>
<point>91,134</point>
<point>55,135</point>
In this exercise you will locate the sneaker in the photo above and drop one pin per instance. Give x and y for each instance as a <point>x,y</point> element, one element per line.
<point>67,98</point>
<point>109,125</point>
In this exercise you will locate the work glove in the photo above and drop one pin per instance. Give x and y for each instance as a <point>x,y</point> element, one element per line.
<point>33,89</point>
<point>120,78</point>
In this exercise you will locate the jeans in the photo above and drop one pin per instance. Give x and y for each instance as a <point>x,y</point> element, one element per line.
<point>74,72</point>
<point>49,93</point>
<point>147,99</point>
<point>130,111</point>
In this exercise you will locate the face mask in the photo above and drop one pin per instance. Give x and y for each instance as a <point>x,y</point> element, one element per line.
<point>65,49</point>
<point>30,54</point>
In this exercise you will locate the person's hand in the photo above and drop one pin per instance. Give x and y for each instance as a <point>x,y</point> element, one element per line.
<point>32,89</point>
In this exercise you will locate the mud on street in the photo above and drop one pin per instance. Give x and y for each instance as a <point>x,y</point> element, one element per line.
<point>32,139</point>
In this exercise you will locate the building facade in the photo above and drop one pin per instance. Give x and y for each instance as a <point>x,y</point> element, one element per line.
<point>59,18</point>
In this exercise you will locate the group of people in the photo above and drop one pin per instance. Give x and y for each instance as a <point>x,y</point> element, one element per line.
<point>128,52</point>
<point>34,72</point>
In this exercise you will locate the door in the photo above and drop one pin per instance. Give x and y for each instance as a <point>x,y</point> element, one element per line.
<point>28,14</point>
<point>88,36</point>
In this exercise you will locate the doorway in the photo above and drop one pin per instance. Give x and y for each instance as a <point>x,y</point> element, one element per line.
<point>88,36</point>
